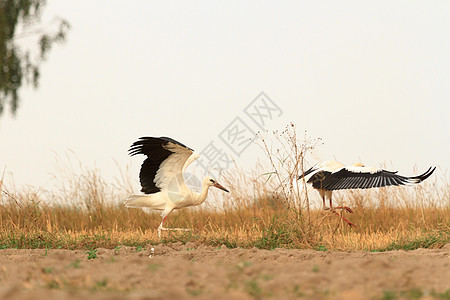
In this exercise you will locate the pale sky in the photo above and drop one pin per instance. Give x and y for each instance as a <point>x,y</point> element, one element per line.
<point>371,78</point>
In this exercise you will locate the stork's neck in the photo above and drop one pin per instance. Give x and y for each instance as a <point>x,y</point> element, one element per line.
<point>202,196</point>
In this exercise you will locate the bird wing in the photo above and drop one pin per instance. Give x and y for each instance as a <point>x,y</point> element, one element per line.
<point>166,159</point>
<point>363,178</point>
<point>191,158</point>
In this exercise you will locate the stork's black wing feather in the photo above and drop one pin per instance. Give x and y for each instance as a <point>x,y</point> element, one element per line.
<point>319,179</point>
<point>349,179</point>
<point>156,152</point>
<point>307,172</point>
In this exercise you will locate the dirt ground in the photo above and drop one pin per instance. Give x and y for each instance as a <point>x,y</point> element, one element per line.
<point>179,271</point>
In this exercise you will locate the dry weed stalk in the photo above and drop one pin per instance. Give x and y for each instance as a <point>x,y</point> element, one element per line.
<point>287,159</point>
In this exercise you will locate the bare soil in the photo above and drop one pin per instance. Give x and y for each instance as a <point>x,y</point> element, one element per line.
<point>179,271</point>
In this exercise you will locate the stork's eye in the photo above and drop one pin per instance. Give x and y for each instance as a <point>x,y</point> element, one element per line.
<point>212,180</point>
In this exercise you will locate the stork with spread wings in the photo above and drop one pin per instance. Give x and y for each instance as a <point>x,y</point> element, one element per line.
<point>161,177</point>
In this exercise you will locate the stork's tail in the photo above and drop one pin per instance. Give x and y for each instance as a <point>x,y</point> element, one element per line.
<point>145,202</point>
<point>307,172</point>
<point>137,201</point>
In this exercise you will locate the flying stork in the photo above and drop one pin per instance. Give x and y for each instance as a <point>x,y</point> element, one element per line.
<point>161,177</point>
<point>332,175</point>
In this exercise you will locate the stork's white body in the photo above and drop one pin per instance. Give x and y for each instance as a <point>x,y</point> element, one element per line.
<point>169,199</point>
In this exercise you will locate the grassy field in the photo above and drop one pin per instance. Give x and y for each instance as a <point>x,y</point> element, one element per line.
<point>386,219</point>
<point>87,213</point>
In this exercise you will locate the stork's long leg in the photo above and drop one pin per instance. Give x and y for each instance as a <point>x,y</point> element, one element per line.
<point>161,227</point>
<point>346,208</point>
<point>323,199</point>
<point>322,194</point>
<point>348,222</point>
<point>339,207</point>
<point>331,203</point>
<point>333,210</point>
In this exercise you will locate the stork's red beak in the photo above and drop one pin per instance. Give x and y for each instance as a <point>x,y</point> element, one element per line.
<point>217,185</point>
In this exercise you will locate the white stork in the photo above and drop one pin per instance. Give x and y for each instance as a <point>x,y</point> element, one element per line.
<point>332,175</point>
<point>161,177</point>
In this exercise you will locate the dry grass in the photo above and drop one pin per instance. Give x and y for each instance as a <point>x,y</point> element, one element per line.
<point>86,212</point>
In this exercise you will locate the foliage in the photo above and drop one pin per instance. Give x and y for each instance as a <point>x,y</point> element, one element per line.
<point>20,25</point>
<point>92,253</point>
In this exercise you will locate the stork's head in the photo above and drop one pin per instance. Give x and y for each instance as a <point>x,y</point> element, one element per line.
<point>212,182</point>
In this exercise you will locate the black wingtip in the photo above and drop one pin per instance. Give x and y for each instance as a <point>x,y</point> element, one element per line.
<point>143,144</point>
<point>136,147</point>
<point>425,175</point>
<point>306,173</point>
